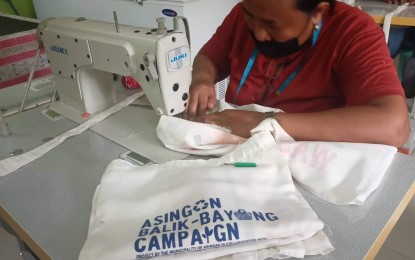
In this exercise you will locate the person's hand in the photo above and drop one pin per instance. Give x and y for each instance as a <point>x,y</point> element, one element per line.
<point>202,98</point>
<point>240,122</point>
<point>399,2</point>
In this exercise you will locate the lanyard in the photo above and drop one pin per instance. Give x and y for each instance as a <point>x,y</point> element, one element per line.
<point>290,78</point>
<point>246,72</point>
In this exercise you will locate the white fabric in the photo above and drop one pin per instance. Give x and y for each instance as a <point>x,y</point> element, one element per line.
<point>202,139</point>
<point>191,138</point>
<point>218,206</point>
<point>341,173</point>
<point>316,245</point>
<point>388,19</point>
<point>11,164</point>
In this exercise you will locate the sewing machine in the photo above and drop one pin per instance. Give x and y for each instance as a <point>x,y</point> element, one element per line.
<point>84,55</point>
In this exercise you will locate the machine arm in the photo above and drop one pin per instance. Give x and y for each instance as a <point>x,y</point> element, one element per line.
<point>84,54</point>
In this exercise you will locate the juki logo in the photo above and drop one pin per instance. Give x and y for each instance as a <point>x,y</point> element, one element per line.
<point>179,57</point>
<point>59,49</point>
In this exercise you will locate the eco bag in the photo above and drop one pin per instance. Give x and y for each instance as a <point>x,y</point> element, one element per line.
<point>203,209</point>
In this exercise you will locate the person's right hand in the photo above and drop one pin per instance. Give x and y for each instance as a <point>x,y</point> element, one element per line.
<point>399,2</point>
<point>202,98</point>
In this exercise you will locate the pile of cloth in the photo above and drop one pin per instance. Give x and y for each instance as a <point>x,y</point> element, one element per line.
<point>342,173</point>
<point>204,209</point>
<point>210,209</point>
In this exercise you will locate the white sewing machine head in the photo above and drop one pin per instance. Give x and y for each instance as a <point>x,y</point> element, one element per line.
<point>84,54</point>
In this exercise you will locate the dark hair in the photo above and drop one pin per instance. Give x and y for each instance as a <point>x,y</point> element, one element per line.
<point>308,6</point>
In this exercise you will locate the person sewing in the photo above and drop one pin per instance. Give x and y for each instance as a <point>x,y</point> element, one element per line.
<point>325,64</point>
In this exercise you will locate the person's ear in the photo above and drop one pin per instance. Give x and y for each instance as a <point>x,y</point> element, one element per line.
<point>322,9</point>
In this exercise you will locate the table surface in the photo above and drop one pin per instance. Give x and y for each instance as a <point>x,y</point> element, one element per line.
<point>40,92</point>
<point>48,202</point>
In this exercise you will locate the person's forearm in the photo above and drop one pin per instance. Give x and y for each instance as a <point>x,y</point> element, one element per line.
<point>204,70</point>
<point>368,124</point>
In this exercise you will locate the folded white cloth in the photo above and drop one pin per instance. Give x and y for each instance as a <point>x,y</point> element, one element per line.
<point>201,209</point>
<point>341,173</point>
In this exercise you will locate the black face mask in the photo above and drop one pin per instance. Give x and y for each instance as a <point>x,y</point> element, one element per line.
<point>275,49</point>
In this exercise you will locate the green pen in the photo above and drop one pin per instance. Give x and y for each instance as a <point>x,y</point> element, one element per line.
<point>242,164</point>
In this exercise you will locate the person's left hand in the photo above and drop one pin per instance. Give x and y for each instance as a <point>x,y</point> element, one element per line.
<point>240,122</point>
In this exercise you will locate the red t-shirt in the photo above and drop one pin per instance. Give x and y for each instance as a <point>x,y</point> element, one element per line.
<point>350,64</point>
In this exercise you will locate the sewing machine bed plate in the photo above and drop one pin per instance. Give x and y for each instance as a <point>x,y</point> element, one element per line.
<point>133,127</point>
